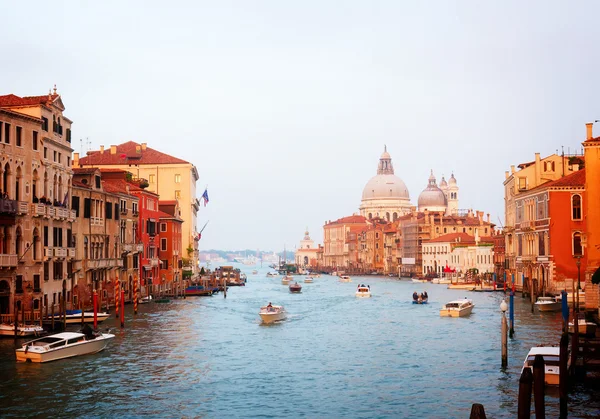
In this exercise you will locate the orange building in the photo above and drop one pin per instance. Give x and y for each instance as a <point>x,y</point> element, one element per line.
<point>168,251</point>
<point>591,241</point>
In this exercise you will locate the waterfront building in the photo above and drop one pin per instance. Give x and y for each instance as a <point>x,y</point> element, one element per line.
<point>131,247</point>
<point>335,247</point>
<point>35,218</point>
<point>171,262</point>
<point>306,253</point>
<point>530,175</point>
<point>459,251</point>
<point>390,247</point>
<point>548,232</point>
<point>96,238</point>
<point>169,177</point>
<point>499,255</point>
<point>590,273</point>
<point>385,195</point>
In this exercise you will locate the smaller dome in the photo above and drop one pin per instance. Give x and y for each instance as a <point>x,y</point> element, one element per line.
<point>443,183</point>
<point>432,197</point>
<point>452,180</point>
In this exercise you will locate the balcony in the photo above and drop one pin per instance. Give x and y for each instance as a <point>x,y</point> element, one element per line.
<point>124,211</point>
<point>22,208</point>
<point>61,213</point>
<point>71,252</point>
<point>154,262</point>
<point>38,210</point>
<point>48,252</point>
<point>128,247</point>
<point>72,215</point>
<point>8,261</point>
<point>8,206</point>
<point>60,252</point>
<point>50,211</point>
<point>139,247</point>
<point>96,221</point>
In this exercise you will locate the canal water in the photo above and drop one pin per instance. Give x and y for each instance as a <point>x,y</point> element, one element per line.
<point>335,356</point>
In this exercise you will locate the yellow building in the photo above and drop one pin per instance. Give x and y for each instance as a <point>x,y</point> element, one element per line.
<point>168,176</point>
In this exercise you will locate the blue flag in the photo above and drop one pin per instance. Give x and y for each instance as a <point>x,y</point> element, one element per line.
<point>205,197</point>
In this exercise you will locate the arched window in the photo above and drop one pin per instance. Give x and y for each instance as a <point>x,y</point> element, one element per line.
<point>387,216</point>
<point>576,207</point>
<point>395,216</point>
<point>370,216</point>
<point>577,248</point>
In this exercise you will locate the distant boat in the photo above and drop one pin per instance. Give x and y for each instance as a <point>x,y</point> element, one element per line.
<point>286,279</point>
<point>74,317</point>
<point>254,272</point>
<point>22,330</point>
<point>548,304</point>
<point>308,280</point>
<point>457,308</point>
<point>345,278</point>
<point>363,291</point>
<point>295,287</point>
<point>271,314</point>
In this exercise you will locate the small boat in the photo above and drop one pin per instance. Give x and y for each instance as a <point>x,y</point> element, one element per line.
<point>418,280</point>
<point>145,300</point>
<point>62,345</point>
<point>457,308</point>
<point>363,291</point>
<point>420,298</point>
<point>308,280</point>
<point>74,317</point>
<point>345,278</point>
<point>272,273</point>
<point>548,304</point>
<point>199,291</point>
<point>441,281</point>
<point>584,327</point>
<point>295,287</point>
<point>551,356</point>
<point>254,272</point>
<point>286,279</point>
<point>22,330</point>
<point>462,285</point>
<point>271,313</point>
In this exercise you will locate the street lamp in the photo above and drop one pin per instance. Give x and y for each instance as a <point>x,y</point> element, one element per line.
<point>503,308</point>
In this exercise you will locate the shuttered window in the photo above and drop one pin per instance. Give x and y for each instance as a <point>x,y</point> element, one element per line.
<point>87,205</point>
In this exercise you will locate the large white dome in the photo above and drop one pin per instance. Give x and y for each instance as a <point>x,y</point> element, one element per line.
<point>385,186</point>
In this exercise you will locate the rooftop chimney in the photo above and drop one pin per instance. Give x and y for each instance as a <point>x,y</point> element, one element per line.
<point>101,149</point>
<point>144,146</point>
<point>113,149</point>
<point>588,128</point>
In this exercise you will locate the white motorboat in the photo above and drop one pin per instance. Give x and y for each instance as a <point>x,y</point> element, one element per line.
<point>145,300</point>
<point>22,330</point>
<point>551,356</point>
<point>73,317</point>
<point>548,304</point>
<point>363,291</point>
<point>345,278</point>
<point>286,279</point>
<point>271,313</point>
<point>457,308</point>
<point>271,274</point>
<point>254,272</point>
<point>308,280</point>
<point>62,345</point>
<point>583,326</point>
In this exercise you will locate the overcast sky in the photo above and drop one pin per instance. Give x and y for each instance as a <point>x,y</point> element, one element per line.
<point>285,106</point>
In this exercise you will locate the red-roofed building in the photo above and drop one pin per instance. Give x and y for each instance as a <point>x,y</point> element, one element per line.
<point>36,252</point>
<point>460,252</point>
<point>548,232</point>
<point>335,247</point>
<point>169,177</point>
<point>169,253</point>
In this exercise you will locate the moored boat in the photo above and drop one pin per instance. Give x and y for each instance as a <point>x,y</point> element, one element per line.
<point>62,345</point>
<point>295,287</point>
<point>22,330</point>
<point>551,356</point>
<point>74,317</point>
<point>363,291</point>
<point>584,327</point>
<point>462,285</point>
<point>145,300</point>
<point>457,308</point>
<point>271,313</point>
<point>548,304</point>
<point>198,291</point>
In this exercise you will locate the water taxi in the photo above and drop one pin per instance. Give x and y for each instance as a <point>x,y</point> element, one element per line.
<point>74,317</point>
<point>457,308</point>
<point>271,313</point>
<point>62,345</point>
<point>295,287</point>
<point>308,280</point>
<point>551,356</point>
<point>363,291</point>
<point>548,304</point>
<point>583,326</point>
<point>345,278</point>
<point>270,274</point>
<point>286,279</point>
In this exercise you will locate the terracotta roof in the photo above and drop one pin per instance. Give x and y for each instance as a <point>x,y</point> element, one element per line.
<point>81,185</point>
<point>451,238</point>
<point>573,180</point>
<point>591,140</point>
<point>168,202</point>
<point>84,171</point>
<point>120,185</point>
<point>14,100</point>
<point>162,214</point>
<point>353,219</point>
<point>127,153</point>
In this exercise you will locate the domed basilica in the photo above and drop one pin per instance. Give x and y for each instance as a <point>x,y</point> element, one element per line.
<point>387,197</point>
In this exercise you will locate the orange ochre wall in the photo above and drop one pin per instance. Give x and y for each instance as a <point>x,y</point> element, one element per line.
<point>562,228</point>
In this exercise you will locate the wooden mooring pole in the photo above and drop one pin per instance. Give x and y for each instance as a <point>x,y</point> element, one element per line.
<point>477,411</point>
<point>563,374</point>
<point>539,381</point>
<point>525,386</point>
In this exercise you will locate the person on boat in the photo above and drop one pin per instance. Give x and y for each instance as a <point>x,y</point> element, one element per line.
<point>425,296</point>
<point>415,296</point>
<point>270,307</point>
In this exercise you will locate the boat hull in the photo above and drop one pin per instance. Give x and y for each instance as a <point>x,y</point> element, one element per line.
<point>587,328</point>
<point>549,306</point>
<point>85,348</point>
<point>22,331</point>
<point>272,316</point>
<point>452,312</point>
<point>363,294</point>
<point>76,318</point>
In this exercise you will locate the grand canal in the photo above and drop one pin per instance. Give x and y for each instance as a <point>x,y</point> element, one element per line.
<point>335,356</point>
